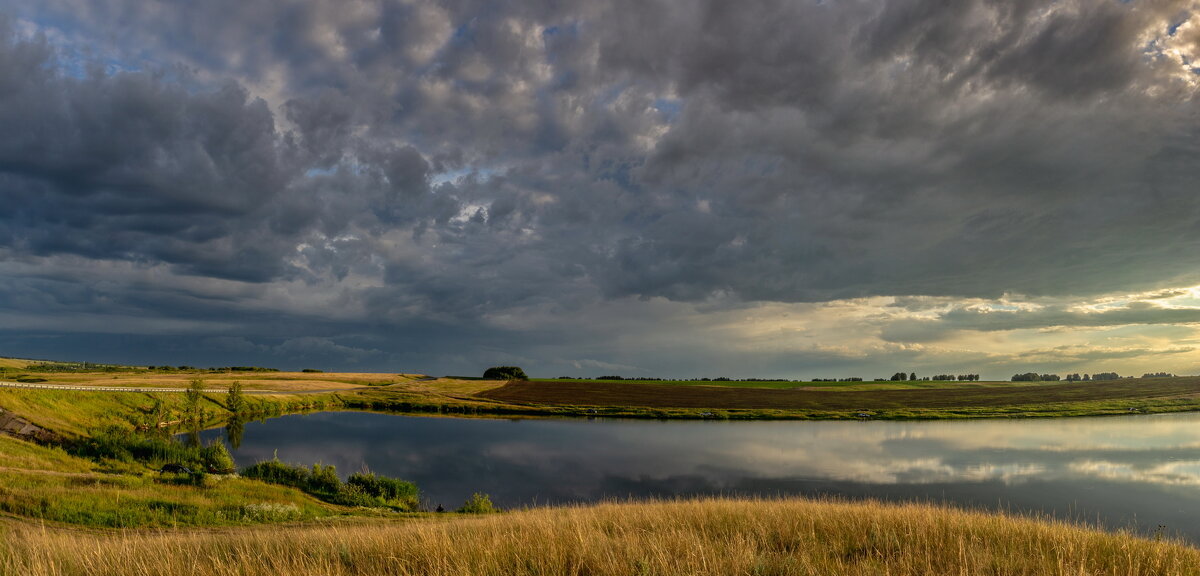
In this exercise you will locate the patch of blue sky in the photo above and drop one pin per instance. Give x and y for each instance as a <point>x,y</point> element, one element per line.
<point>73,59</point>
<point>452,176</point>
<point>1173,28</point>
<point>609,95</point>
<point>997,307</point>
<point>1109,305</point>
<point>569,29</point>
<point>669,108</point>
<point>315,172</point>
<point>553,38</point>
<point>464,32</point>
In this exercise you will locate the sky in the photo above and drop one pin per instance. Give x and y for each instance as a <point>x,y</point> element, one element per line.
<point>765,188</point>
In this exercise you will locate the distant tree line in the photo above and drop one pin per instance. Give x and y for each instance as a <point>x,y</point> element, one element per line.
<point>1158,375</point>
<point>1035,377</point>
<point>958,377</point>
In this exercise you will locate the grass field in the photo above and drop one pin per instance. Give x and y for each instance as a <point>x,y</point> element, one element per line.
<point>716,536</point>
<point>1116,396</point>
<point>45,483</point>
<point>16,363</point>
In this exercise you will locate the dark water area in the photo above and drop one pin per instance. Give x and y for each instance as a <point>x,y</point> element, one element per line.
<point>1138,472</point>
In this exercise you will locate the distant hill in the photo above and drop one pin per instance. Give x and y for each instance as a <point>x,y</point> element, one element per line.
<point>16,362</point>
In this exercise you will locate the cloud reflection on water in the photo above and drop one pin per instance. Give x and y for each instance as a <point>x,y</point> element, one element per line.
<point>1118,468</point>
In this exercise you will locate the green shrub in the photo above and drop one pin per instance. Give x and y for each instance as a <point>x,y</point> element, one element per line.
<point>324,480</point>
<point>478,503</point>
<point>354,495</point>
<point>361,489</point>
<point>216,458</point>
<point>276,472</point>
<point>390,491</point>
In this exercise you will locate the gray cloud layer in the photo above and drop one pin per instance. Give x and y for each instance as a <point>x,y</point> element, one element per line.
<point>369,169</point>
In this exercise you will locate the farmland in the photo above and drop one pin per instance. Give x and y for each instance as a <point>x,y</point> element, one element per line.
<point>282,392</point>
<point>897,400</point>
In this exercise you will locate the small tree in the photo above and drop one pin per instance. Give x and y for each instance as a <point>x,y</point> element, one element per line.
<point>505,373</point>
<point>235,401</point>
<point>192,397</point>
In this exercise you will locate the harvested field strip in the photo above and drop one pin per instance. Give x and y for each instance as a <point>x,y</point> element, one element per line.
<point>669,396</point>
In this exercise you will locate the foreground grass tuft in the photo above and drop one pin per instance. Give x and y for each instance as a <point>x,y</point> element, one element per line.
<point>717,536</point>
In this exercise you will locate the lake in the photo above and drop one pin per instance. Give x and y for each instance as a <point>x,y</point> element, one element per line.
<point>1129,471</point>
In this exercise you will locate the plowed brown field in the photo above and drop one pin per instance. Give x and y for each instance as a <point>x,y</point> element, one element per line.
<point>606,393</point>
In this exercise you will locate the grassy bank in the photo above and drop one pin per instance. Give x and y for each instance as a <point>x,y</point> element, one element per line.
<point>77,413</point>
<point>47,483</point>
<point>720,536</point>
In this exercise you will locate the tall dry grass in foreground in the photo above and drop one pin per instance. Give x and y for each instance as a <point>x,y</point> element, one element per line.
<point>720,536</point>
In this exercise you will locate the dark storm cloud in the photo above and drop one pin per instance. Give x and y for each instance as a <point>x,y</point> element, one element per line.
<point>950,323</point>
<point>374,164</point>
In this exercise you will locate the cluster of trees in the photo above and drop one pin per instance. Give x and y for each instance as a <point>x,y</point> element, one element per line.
<point>912,376</point>
<point>504,373</point>
<point>706,379</point>
<point>1035,377</point>
<point>851,379</point>
<point>1158,375</point>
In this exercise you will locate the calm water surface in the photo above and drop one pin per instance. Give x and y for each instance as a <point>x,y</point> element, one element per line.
<point>1135,471</point>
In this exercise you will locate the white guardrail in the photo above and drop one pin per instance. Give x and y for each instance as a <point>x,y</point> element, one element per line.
<point>111,388</point>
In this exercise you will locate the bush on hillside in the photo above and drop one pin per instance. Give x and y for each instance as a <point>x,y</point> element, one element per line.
<point>392,491</point>
<point>478,503</point>
<point>216,458</point>
<point>276,472</point>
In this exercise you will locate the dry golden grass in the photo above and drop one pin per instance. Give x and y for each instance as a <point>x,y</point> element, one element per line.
<point>14,363</point>
<point>721,536</point>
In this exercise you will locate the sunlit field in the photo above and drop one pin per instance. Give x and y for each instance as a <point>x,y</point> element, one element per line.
<point>720,536</point>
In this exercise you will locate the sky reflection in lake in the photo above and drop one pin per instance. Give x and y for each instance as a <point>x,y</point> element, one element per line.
<point>1138,471</point>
